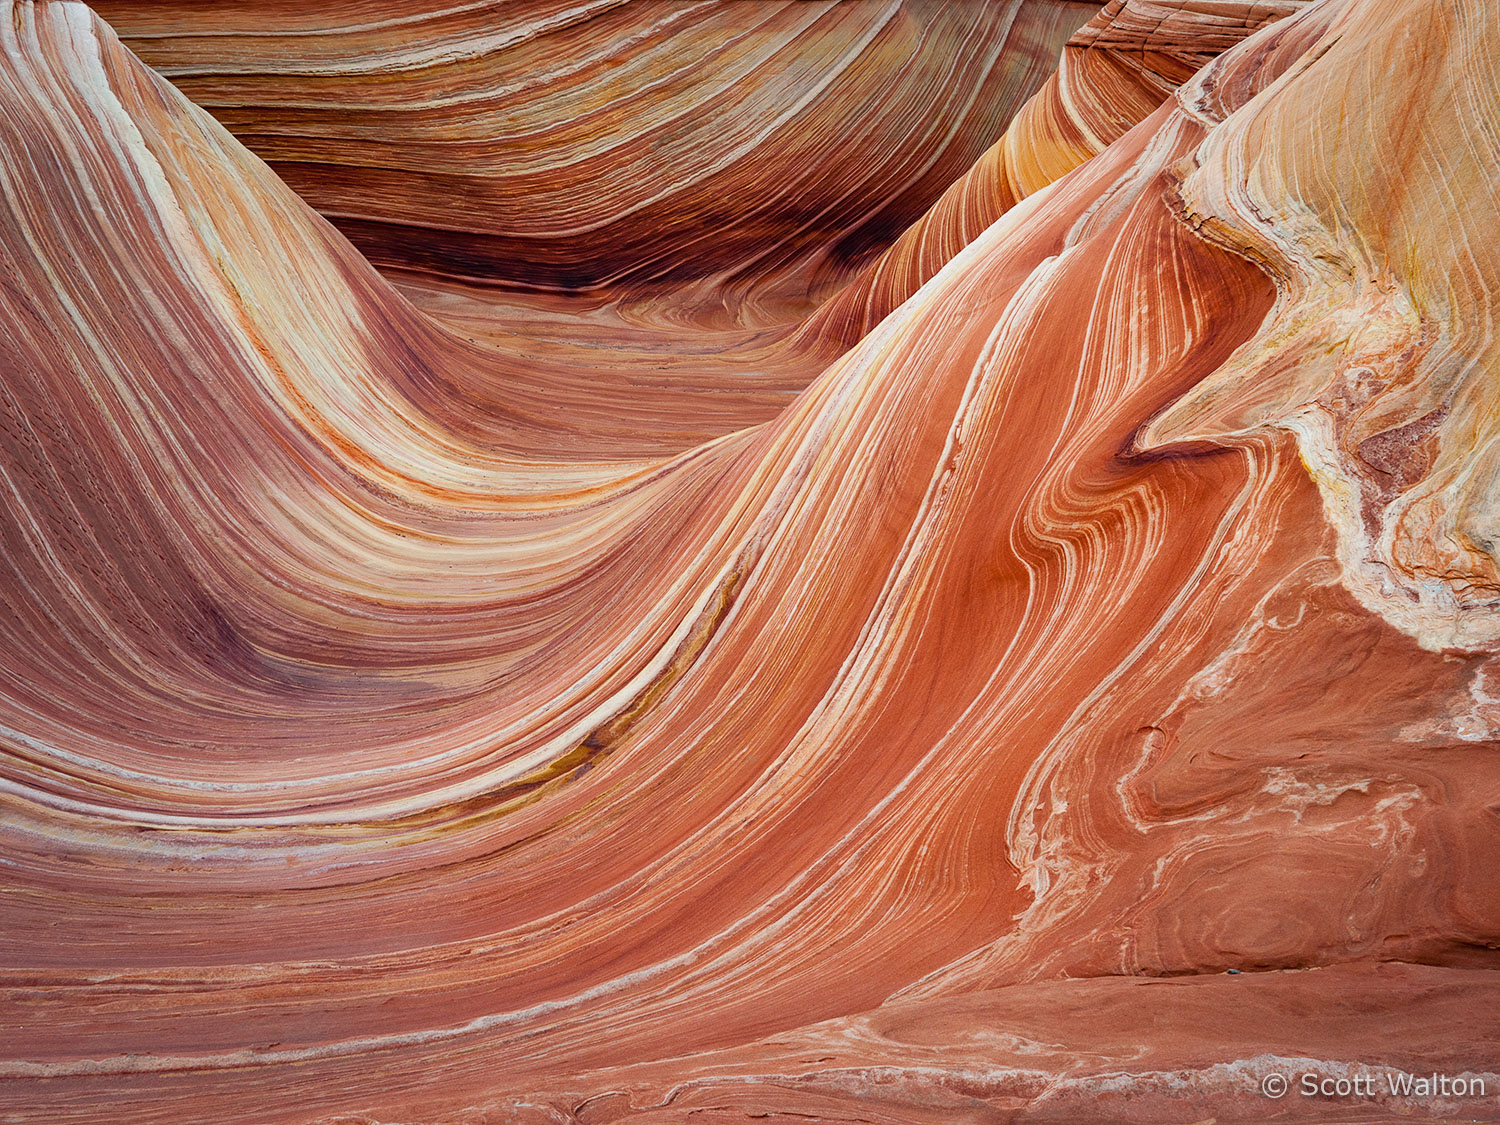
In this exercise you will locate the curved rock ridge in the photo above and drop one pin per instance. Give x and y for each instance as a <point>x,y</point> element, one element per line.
<point>1382,355</point>
<point>542,177</point>
<point>582,144</point>
<point>1002,727</point>
<point>1114,71</point>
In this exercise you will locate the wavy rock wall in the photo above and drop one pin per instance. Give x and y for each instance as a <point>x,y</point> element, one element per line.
<point>578,145</point>
<point>385,734</point>
<point>630,206</point>
<point>1112,74</point>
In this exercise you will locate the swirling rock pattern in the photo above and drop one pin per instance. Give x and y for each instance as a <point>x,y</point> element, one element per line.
<point>1113,73</point>
<point>572,145</point>
<point>632,205</point>
<point>399,723</point>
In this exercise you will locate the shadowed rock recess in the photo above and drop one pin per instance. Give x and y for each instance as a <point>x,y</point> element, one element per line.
<point>902,561</point>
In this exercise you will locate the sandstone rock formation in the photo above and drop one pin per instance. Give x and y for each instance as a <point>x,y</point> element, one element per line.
<point>1035,667</point>
<point>568,146</point>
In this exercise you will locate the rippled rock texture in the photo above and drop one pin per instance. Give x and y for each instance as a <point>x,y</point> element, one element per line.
<point>705,562</point>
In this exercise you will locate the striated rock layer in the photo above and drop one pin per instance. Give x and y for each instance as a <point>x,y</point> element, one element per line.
<point>1052,681</point>
<point>1113,73</point>
<point>630,205</point>
<point>575,144</point>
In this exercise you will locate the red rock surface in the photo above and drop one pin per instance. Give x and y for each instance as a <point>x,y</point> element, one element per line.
<point>566,146</point>
<point>1039,669</point>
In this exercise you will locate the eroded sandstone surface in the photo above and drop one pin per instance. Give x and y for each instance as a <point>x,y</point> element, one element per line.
<point>901,562</point>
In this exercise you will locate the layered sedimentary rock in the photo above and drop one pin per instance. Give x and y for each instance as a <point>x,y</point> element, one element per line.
<point>631,206</point>
<point>391,730</point>
<point>569,146</point>
<point>1113,72</point>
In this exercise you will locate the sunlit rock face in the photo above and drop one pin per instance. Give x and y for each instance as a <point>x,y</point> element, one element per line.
<point>1037,666</point>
